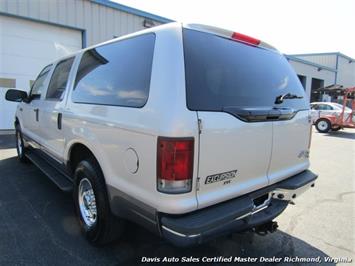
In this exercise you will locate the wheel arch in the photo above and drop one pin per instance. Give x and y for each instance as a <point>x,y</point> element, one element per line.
<point>331,118</point>
<point>77,151</point>
<point>323,118</point>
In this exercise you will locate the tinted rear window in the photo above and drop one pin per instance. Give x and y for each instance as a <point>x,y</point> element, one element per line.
<point>224,73</point>
<point>117,73</point>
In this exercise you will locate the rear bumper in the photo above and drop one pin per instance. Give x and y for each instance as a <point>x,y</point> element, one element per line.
<point>235,215</point>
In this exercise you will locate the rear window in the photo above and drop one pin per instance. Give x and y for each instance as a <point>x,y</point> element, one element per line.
<point>225,73</point>
<point>117,73</point>
<point>340,107</point>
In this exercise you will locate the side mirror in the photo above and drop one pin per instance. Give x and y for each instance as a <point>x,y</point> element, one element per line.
<point>15,95</point>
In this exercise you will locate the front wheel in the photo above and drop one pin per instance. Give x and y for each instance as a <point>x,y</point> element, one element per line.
<point>323,125</point>
<point>92,204</point>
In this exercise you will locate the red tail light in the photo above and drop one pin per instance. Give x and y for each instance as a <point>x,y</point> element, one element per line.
<point>175,157</point>
<point>245,38</point>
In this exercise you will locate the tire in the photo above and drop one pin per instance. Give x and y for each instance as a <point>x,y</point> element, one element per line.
<point>323,125</point>
<point>336,128</point>
<point>20,146</point>
<point>90,196</point>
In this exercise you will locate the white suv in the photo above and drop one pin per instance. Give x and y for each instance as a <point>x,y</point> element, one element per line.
<point>189,130</point>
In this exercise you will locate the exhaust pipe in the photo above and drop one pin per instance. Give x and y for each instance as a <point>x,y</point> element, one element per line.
<point>264,229</point>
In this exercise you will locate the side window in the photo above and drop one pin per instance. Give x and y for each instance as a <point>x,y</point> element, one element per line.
<point>38,85</point>
<point>59,79</point>
<point>329,107</point>
<point>322,107</point>
<point>325,107</point>
<point>117,73</point>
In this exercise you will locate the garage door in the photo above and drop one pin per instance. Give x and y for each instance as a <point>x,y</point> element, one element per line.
<point>25,48</point>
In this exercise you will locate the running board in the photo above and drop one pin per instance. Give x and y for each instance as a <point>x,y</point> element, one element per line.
<point>58,178</point>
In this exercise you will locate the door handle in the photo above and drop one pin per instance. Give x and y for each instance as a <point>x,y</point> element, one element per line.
<point>36,110</point>
<point>59,121</point>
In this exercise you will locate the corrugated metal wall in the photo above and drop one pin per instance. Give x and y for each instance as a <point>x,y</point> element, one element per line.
<point>346,72</point>
<point>345,66</point>
<point>325,60</point>
<point>100,22</point>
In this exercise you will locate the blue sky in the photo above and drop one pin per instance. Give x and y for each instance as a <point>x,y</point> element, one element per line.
<point>302,26</point>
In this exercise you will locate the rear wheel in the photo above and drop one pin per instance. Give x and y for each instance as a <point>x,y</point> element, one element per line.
<point>92,204</point>
<point>323,125</point>
<point>20,146</point>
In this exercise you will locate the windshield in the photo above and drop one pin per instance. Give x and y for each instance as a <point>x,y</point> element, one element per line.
<point>223,73</point>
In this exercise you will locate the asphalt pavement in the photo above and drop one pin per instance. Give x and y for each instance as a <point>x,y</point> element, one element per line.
<point>38,224</point>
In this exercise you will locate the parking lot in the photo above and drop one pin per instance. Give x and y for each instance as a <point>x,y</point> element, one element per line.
<point>38,224</point>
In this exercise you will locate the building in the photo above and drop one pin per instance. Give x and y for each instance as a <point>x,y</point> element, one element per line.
<point>34,33</point>
<point>320,70</point>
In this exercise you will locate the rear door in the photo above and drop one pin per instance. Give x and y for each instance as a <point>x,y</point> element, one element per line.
<point>325,109</point>
<point>233,87</point>
<point>52,108</point>
<point>290,149</point>
<point>234,157</point>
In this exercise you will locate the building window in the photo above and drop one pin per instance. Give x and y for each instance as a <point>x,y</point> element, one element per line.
<point>303,80</point>
<point>7,83</point>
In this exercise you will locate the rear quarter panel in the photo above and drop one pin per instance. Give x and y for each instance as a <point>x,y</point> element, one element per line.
<point>108,131</point>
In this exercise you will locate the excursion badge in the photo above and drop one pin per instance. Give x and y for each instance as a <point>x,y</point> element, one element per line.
<point>221,177</point>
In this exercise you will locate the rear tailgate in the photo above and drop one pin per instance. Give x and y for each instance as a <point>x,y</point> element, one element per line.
<point>245,133</point>
<point>290,147</point>
<point>234,157</point>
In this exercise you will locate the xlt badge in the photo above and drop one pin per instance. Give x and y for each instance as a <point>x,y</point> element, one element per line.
<point>221,177</point>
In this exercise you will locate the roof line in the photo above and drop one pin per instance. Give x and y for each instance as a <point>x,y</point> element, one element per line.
<point>296,59</point>
<point>132,10</point>
<point>328,53</point>
<point>346,57</point>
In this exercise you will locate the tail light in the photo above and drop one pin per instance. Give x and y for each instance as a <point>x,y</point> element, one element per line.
<point>175,157</point>
<point>245,38</point>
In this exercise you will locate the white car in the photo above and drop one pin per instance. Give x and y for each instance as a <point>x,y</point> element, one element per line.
<point>319,109</point>
<point>189,130</point>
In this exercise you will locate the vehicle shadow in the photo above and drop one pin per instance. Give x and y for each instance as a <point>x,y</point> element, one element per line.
<point>38,226</point>
<point>7,141</point>
<point>243,245</point>
<point>341,134</point>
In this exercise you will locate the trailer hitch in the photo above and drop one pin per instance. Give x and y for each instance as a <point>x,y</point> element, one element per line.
<point>264,229</point>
